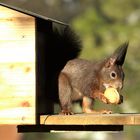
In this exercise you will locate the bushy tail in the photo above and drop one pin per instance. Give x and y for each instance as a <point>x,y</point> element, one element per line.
<point>66,45</point>
<point>63,45</point>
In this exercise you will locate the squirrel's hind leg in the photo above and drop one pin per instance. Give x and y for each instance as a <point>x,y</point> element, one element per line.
<point>65,91</point>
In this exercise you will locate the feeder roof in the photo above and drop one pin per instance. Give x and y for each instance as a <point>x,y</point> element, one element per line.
<point>30,13</point>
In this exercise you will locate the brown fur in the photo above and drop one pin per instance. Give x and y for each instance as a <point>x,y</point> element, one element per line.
<point>84,80</point>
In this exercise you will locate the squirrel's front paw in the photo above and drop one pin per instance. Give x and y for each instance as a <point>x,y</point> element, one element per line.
<point>99,95</point>
<point>104,99</point>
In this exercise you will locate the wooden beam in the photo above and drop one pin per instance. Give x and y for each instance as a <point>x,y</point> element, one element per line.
<point>82,122</point>
<point>91,119</point>
<point>57,128</point>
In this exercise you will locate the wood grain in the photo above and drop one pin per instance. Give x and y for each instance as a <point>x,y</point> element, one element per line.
<point>17,67</point>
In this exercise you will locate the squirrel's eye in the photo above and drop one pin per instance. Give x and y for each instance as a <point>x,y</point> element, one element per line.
<point>113,75</point>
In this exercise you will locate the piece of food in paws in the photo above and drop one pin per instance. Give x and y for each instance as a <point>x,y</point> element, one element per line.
<point>112,95</point>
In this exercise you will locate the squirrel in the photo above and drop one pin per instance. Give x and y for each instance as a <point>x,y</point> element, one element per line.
<point>71,78</point>
<point>85,80</point>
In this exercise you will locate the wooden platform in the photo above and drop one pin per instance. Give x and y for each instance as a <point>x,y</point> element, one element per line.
<point>82,122</point>
<point>90,119</point>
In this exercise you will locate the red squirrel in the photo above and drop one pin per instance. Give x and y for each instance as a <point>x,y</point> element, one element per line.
<point>85,80</point>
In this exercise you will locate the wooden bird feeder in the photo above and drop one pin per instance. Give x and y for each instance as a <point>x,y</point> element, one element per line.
<point>25,76</point>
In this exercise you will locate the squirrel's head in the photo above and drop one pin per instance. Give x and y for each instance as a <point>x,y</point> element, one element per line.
<point>111,74</point>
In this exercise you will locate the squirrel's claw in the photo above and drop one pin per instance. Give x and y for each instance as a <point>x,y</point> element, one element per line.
<point>66,112</point>
<point>106,112</point>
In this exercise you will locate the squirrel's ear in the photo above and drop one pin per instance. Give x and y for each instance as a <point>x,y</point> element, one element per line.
<point>110,62</point>
<point>120,54</point>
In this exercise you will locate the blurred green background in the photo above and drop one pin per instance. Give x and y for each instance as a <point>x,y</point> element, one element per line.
<point>102,25</point>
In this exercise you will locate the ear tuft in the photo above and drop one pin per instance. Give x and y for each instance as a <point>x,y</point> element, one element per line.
<point>120,53</point>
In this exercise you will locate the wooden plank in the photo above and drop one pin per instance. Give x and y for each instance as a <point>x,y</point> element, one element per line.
<point>17,93</point>
<point>91,119</point>
<point>16,26</point>
<point>137,119</point>
<point>17,115</point>
<point>17,36</point>
<point>17,67</point>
